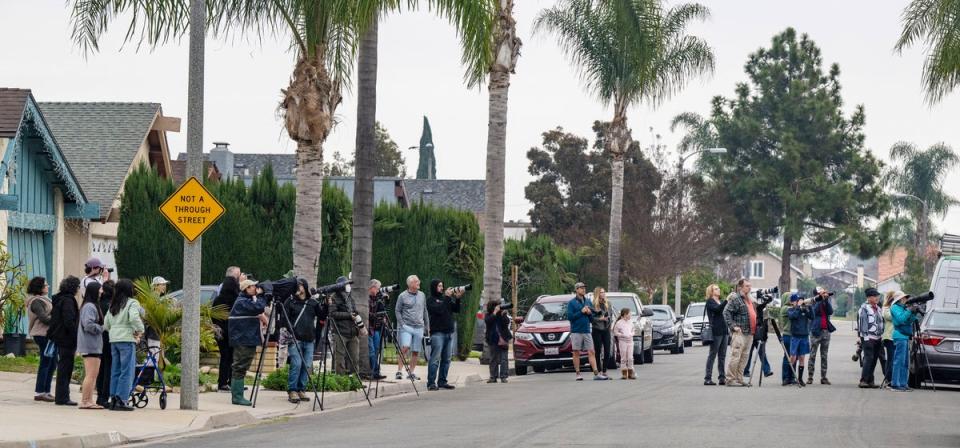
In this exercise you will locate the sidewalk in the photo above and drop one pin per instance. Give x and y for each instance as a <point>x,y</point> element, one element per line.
<point>27,423</point>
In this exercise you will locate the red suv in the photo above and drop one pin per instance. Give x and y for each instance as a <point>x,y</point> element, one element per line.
<point>543,340</point>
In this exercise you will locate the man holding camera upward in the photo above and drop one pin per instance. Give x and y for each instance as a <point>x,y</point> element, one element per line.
<point>244,323</point>
<point>870,329</point>
<point>412,318</point>
<point>740,316</point>
<point>820,329</point>
<point>95,272</point>
<point>579,313</point>
<point>441,306</point>
<point>799,314</point>
<point>349,328</point>
<point>377,309</point>
<point>302,315</point>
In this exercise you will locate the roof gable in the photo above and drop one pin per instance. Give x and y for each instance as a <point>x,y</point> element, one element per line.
<point>91,133</point>
<point>12,104</point>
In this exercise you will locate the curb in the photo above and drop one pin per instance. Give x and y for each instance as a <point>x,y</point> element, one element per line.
<point>101,439</point>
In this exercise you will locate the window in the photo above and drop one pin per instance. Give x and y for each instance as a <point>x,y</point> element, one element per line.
<point>756,269</point>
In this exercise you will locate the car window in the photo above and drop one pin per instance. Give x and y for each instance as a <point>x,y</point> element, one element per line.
<point>695,310</point>
<point>660,314</point>
<point>945,320</point>
<point>547,312</point>
<point>619,303</point>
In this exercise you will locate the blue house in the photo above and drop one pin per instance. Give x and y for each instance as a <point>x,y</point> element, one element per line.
<point>39,194</point>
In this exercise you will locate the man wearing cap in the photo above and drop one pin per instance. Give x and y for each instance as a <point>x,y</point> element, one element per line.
<point>579,311</point>
<point>870,329</point>
<point>95,272</point>
<point>740,315</point>
<point>799,315</point>
<point>246,316</point>
<point>820,329</point>
<point>903,319</point>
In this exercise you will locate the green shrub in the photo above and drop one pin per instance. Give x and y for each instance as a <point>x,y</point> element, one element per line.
<point>172,375</point>
<point>277,380</point>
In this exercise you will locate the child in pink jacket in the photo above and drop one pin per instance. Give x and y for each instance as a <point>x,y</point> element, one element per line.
<point>623,333</point>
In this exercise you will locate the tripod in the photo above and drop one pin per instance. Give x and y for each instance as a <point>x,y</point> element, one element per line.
<point>388,329</point>
<point>762,345</point>
<point>353,362</point>
<point>793,371</point>
<point>254,394</point>
<point>921,351</point>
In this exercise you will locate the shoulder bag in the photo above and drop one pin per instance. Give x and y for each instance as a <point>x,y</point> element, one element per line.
<point>706,330</point>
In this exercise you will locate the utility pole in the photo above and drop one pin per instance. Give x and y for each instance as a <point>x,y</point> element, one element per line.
<point>190,322</point>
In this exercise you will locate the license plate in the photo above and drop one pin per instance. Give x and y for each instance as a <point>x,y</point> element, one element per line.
<point>956,346</point>
<point>551,351</point>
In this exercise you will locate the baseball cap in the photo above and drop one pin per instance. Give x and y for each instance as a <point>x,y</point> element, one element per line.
<point>158,280</point>
<point>247,283</point>
<point>794,297</point>
<point>579,285</point>
<point>93,262</point>
<point>872,292</point>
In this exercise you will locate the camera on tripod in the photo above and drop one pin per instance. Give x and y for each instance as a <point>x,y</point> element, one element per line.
<point>765,296</point>
<point>461,289</point>
<point>341,286</point>
<point>280,289</point>
<point>918,304</point>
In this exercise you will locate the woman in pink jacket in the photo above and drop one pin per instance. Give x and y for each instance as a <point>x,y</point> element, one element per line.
<point>623,332</point>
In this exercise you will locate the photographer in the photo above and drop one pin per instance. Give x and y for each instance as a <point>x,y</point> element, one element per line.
<point>498,336</point>
<point>718,346</point>
<point>820,329</point>
<point>799,315</point>
<point>441,306</point>
<point>95,271</point>
<point>411,311</point>
<point>760,338</point>
<point>347,346</point>
<point>303,313</point>
<point>375,322</point>
<point>870,328</point>
<point>740,316</point>
<point>783,320</point>
<point>903,320</point>
<point>244,323</point>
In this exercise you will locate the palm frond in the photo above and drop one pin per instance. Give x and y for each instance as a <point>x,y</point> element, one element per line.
<point>935,24</point>
<point>151,22</point>
<point>474,21</point>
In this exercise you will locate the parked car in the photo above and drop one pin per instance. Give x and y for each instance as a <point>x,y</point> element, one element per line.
<point>667,329</point>
<point>207,294</point>
<point>642,325</point>
<point>543,340</point>
<point>944,284</point>
<point>695,318</point>
<point>938,349</point>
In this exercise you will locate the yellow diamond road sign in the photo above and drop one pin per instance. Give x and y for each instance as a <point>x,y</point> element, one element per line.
<point>192,209</point>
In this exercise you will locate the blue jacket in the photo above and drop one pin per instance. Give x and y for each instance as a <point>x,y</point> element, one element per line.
<point>821,308</point>
<point>903,320</point>
<point>579,322</point>
<point>799,320</point>
<point>244,321</point>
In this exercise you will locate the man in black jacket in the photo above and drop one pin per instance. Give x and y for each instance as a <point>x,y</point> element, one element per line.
<point>346,344</point>
<point>375,322</point>
<point>302,313</point>
<point>441,306</point>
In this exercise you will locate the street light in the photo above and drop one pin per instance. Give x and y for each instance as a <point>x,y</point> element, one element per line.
<point>921,242</point>
<point>683,158</point>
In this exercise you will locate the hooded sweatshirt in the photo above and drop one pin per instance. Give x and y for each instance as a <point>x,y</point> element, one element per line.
<point>441,309</point>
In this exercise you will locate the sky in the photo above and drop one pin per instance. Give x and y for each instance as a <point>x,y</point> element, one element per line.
<point>420,74</point>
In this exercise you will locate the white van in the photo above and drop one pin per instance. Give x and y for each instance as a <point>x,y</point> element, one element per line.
<point>946,283</point>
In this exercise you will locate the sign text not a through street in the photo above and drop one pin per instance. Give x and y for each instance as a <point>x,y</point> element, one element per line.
<point>192,209</point>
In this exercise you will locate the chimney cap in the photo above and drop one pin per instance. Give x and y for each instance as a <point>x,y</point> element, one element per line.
<point>221,144</point>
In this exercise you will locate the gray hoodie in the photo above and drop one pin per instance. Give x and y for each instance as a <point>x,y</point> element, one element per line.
<point>89,339</point>
<point>412,310</point>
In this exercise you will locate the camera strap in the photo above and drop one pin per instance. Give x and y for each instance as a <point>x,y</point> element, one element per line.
<point>297,320</point>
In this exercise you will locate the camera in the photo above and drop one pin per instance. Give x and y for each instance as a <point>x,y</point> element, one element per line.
<point>358,321</point>
<point>388,289</point>
<point>110,270</point>
<point>506,306</point>
<point>768,292</point>
<point>341,286</point>
<point>279,289</point>
<point>462,289</point>
<point>921,299</point>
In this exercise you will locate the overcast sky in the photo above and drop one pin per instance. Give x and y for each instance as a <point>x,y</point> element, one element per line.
<point>419,74</point>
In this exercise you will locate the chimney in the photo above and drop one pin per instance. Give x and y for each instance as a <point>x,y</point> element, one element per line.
<point>860,276</point>
<point>223,158</point>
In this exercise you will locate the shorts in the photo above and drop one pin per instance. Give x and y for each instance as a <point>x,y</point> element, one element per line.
<point>410,337</point>
<point>91,355</point>
<point>581,342</point>
<point>799,346</point>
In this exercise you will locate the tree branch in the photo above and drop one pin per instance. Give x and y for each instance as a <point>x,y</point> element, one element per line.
<point>818,248</point>
<point>819,226</point>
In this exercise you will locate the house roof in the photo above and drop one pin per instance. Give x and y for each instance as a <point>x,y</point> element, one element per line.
<point>91,133</point>
<point>891,263</point>
<point>452,193</point>
<point>178,170</point>
<point>836,273</point>
<point>283,164</point>
<point>12,104</point>
<point>778,258</point>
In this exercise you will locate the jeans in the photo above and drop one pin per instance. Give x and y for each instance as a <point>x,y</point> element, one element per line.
<point>121,372</point>
<point>440,348</point>
<point>871,352</point>
<point>819,343</point>
<point>46,369</point>
<point>499,366</point>
<point>301,361</point>
<point>64,372</point>
<point>786,374</point>
<point>901,363</point>
<point>601,348</point>
<point>373,346</point>
<point>718,352</point>
<point>762,353</point>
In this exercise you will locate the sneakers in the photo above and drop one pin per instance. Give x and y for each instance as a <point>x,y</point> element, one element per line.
<point>413,377</point>
<point>302,396</point>
<point>709,383</point>
<point>492,381</point>
<point>47,398</point>
<point>579,377</point>
<point>863,385</point>
<point>810,380</point>
<point>824,381</point>
<point>399,376</point>
<point>452,387</point>
<point>600,377</point>
<point>432,387</point>
<point>503,380</point>
<point>768,374</point>
<point>722,382</point>
<point>292,397</point>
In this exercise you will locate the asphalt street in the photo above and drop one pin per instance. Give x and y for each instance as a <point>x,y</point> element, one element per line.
<point>667,407</point>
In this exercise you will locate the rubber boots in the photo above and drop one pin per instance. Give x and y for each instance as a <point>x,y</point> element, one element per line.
<point>236,393</point>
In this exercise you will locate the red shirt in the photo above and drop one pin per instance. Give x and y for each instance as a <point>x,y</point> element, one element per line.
<point>753,315</point>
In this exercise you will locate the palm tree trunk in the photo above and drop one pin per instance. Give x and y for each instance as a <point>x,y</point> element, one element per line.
<point>309,103</point>
<point>363,181</point>
<point>507,47</point>
<point>619,140</point>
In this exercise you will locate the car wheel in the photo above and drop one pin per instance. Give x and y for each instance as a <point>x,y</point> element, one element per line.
<point>638,358</point>
<point>648,356</point>
<point>539,369</point>
<point>681,348</point>
<point>521,370</point>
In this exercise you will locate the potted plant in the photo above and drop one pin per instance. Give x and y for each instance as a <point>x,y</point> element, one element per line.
<point>12,298</point>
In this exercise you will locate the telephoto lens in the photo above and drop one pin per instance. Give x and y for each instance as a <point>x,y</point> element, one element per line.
<point>462,289</point>
<point>389,288</point>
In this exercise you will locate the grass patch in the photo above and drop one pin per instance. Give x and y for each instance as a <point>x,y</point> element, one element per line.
<point>24,364</point>
<point>277,380</point>
<point>390,356</point>
<point>475,354</point>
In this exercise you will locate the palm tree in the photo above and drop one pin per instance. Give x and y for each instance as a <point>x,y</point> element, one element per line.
<point>920,174</point>
<point>502,60</point>
<point>935,24</point>
<point>323,33</point>
<point>627,51</point>
<point>472,20</point>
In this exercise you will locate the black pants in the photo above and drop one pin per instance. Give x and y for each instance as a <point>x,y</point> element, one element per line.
<point>64,372</point>
<point>103,377</point>
<point>888,348</point>
<point>601,340</point>
<point>871,352</point>
<point>499,366</point>
<point>226,362</point>
<point>718,352</point>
